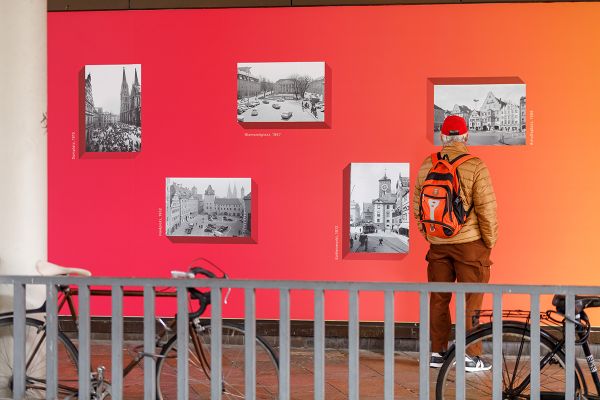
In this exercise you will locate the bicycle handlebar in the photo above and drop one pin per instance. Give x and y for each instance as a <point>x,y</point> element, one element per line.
<point>204,298</point>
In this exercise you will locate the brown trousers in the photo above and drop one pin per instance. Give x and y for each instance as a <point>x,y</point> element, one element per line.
<point>464,262</point>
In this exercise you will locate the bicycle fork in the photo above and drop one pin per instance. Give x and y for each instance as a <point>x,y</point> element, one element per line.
<point>591,364</point>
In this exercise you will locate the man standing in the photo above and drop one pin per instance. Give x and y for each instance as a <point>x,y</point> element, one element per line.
<point>464,256</point>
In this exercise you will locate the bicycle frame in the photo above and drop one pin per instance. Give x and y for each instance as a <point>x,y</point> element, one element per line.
<point>65,298</point>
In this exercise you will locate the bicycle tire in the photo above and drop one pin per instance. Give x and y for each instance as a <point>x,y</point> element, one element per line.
<point>35,333</point>
<point>478,385</point>
<point>233,372</point>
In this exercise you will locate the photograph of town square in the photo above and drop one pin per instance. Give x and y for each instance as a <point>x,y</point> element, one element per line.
<point>211,207</point>
<point>281,92</point>
<point>113,108</point>
<point>495,113</point>
<point>379,204</point>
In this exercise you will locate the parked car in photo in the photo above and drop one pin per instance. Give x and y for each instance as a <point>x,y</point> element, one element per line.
<point>276,106</point>
<point>208,230</point>
<point>286,115</point>
<point>281,100</point>
<point>265,101</point>
<point>241,110</point>
<point>254,113</point>
<point>189,228</point>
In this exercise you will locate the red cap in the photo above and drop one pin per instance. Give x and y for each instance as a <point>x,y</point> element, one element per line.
<point>454,125</point>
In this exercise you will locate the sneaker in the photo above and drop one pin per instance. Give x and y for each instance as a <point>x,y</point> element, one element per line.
<point>476,364</point>
<point>436,360</point>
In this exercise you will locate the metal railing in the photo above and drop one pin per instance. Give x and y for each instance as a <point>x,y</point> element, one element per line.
<point>284,287</point>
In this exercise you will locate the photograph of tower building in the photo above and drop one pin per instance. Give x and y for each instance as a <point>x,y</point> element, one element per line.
<point>281,92</point>
<point>495,113</point>
<point>209,207</point>
<point>113,108</point>
<point>379,207</point>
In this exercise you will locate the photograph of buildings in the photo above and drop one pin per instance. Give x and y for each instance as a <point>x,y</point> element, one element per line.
<point>281,92</point>
<point>495,113</point>
<point>113,108</point>
<point>210,207</point>
<point>379,207</point>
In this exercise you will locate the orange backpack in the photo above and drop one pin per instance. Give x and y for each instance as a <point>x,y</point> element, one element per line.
<point>441,210</point>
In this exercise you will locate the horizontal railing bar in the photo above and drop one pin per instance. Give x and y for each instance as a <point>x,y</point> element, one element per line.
<point>300,285</point>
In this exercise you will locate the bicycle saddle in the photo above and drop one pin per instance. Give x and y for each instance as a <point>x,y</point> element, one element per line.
<point>581,302</point>
<point>46,268</point>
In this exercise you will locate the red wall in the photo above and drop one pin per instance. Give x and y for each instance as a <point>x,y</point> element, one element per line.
<point>103,212</point>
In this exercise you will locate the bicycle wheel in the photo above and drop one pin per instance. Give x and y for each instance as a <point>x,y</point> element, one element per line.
<point>35,356</point>
<point>516,368</point>
<point>233,368</point>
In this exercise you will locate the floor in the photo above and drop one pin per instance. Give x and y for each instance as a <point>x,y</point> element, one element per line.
<point>302,378</point>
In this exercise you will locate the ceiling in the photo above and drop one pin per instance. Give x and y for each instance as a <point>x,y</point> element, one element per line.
<point>100,5</point>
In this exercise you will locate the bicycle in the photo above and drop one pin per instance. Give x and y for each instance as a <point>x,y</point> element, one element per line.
<point>233,340</point>
<point>516,357</point>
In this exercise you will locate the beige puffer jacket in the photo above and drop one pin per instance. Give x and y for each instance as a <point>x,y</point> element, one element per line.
<point>476,188</point>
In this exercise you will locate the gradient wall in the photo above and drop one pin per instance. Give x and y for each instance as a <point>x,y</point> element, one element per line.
<point>104,212</point>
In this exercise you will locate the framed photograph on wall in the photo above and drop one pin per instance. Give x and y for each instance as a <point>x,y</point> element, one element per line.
<point>113,108</point>
<point>209,207</point>
<point>379,207</point>
<point>495,113</point>
<point>283,92</point>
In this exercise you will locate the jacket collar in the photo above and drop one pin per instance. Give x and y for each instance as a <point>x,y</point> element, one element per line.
<point>455,147</point>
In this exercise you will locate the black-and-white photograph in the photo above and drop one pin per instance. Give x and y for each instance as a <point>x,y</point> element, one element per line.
<point>495,113</point>
<point>113,108</point>
<point>281,92</point>
<point>379,207</point>
<point>209,207</point>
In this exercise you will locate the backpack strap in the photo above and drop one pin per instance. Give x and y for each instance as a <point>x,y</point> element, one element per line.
<point>455,164</point>
<point>461,159</point>
<point>435,157</point>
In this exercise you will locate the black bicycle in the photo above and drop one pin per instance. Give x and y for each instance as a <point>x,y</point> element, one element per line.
<point>516,355</point>
<point>233,339</point>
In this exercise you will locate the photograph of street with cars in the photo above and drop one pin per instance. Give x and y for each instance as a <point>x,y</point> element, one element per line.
<point>379,207</point>
<point>495,113</point>
<point>281,92</point>
<point>113,108</point>
<point>208,207</point>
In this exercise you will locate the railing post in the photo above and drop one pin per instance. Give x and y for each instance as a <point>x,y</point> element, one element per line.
<point>535,347</point>
<point>284,344</point>
<point>149,344</point>
<point>497,346</point>
<point>84,342</point>
<point>424,345</point>
<point>353,347</point>
<point>19,336</point>
<point>182,344</point>
<point>216,344</point>
<point>460,345</point>
<point>51,341</point>
<point>388,350</point>
<point>319,344</point>
<point>250,342</point>
<point>569,346</point>
<point>117,342</point>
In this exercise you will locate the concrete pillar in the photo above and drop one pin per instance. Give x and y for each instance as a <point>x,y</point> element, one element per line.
<point>23,149</point>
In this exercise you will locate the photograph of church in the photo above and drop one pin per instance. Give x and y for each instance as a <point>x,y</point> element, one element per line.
<point>210,207</point>
<point>496,114</point>
<point>379,207</point>
<point>113,108</point>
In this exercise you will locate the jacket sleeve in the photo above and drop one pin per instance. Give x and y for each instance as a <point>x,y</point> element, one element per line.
<point>484,203</point>
<point>417,193</point>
